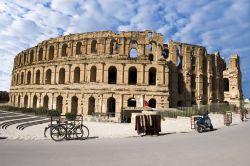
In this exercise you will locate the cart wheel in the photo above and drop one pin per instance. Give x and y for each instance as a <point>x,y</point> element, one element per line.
<point>199,129</point>
<point>58,133</point>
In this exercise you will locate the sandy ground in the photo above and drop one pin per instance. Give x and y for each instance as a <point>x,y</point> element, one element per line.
<point>114,130</point>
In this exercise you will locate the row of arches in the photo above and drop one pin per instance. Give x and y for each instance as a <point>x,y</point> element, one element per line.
<point>112,76</point>
<point>80,48</point>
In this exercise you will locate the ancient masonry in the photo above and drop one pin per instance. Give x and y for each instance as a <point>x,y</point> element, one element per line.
<point>107,72</point>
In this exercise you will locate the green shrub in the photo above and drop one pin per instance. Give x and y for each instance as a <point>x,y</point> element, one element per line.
<point>54,113</point>
<point>28,110</point>
<point>41,111</point>
<point>70,116</point>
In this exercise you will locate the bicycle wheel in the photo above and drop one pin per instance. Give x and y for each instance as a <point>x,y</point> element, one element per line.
<point>85,130</point>
<point>79,132</point>
<point>58,133</point>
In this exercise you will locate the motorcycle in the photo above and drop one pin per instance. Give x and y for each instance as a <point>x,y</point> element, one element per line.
<point>203,123</point>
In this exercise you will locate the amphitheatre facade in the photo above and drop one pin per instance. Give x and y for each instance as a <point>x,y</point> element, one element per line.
<point>105,72</point>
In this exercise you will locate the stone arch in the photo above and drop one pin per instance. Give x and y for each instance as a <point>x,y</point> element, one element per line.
<point>19,60</point>
<point>34,105</point>
<point>59,103</point>
<point>226,84</point>
<point>113,46</point>
<point>19,101</point>
<point>51,52</point>
<point>38,77</point>
<point>165,53</point>
<point>111,104</point>
<point>77,73</point>
<point>112,75</point>
<point>133,53</point>
<point>62,76</point>
<point>78,48</point>
<point>64,50</point>
<point>17,79</point>
<point>74,104</point>
<point>22,78</point>
<point>46,101</point>
<point>132,76</point>
<point>24,58</point>
<point>93,74</point>
<point>48,76</point>
<point>31,56</point>
<point>94,46</point>
<point>40,54</point>
<point>151,57</point>
<point>25,102</point>
<point>29,77</point>
<point>91,106</point>
<point>152,103</point>
<point>132,102</point>
<point>152,76</point>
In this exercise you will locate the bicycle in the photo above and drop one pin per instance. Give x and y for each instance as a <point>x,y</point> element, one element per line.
<point>79,130</point>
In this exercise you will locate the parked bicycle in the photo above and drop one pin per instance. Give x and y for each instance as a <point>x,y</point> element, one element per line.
<point>67,129</point>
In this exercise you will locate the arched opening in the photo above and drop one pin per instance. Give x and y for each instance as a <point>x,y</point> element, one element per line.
<point>25,103</point>
<point>133,53</point>
<point>74,104</point>
<point>91,108</point>
<point>226,84</point>
<point>111,106</point>
<point>112,75</point>
<point>152,103</point>
<point>59,103</point>
<point>93,74</point>
<point>62,76</point>
<point>40,54</point>
<point>64,50</point>
<point>38,77</point>
<point>165,53</point>
<point>34,102</point>
<point>46,102</point>
<point>28,77</point>
<point>152,76</point>
<point>150,48</point>
<point>78,48</point>
<point>24,58</point>
<point>132,102</point>
<point>132,76</point>
<point>19,101</point>
<point>77,75</point>
<point>22,78</point>
<point>31,56</point>
<point>180,83</point>
<point>48,77</point>
<point>179,104</point>
<point>193,81</point>
<point>51,52</point>
<point>151,57</point>
<point>93,46</point>
<point>17,79</point>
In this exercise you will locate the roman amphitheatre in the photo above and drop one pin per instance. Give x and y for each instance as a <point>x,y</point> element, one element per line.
<point>109,73</point>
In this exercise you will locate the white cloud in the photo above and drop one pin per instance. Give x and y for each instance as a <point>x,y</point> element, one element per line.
<point>218,25</point>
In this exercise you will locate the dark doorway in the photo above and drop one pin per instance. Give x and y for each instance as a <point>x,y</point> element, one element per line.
<point>91,109</point>
<point>112,75</point>
<point>93,74</point>
<point>46,102</point>
<point>152,76</point>
<point>35,101</point>
<point>132,76</point>
<point>132,102</point>
<point>59,103</point>
<point>77,75</point>
<point>26,101</point>
<point>152,103</point>
<point>62,76</point>
<point>74,104</point>
<point>226,84</point>
<point>111,106</point>
<point>48,77</point>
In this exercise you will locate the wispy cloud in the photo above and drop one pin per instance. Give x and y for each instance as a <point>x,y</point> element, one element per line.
<point>218,25</point>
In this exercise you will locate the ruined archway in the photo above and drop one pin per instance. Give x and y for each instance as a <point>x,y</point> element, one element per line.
<point>25,103</point>
<point>132,76</point>
<point>111,106</point>
<point>62,76</point>
<point>28,77</point>
<point>91,107</point>
<point>112,75</point>
<point>93,74</point>
<point>64,50</point>
<point>40,54</point>
<point>19,101</point>
<point>152,76</point>
<point>59,103</point>
<point>152,103</point>
<point>31,56</point>
<point>93,46</point>
<point>46,101</point>
<point>34,105</point>
<point>48,77</point>
<point>77,75</point>
<point>78,48</point>
<point>226,84</point>
<point>51,52</point>
<point>74,104</point>
<point>38,77</point>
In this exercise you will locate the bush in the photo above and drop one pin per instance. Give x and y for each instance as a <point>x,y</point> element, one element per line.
<point>41,111</point>
<point>70,116</point>
<point>54,113</point>
<point>28,110</point>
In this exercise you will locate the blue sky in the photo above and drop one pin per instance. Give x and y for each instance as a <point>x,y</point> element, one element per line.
<point>219,25</point>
